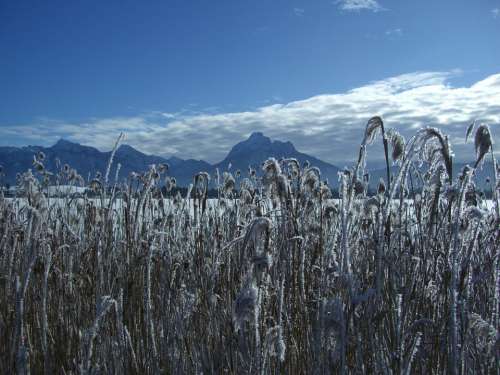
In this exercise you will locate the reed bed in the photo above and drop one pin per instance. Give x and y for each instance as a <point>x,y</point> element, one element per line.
<point>273,277</point>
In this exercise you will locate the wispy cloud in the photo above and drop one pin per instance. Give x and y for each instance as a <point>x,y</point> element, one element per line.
<point>391,34</point>
<point>299,11</point>
<point>394,33</point>
<point>495,12</point>
<point>328,126</point>
<point>357,5</point>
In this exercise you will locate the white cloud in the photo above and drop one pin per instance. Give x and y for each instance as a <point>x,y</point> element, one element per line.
<point>495,12</point>
<point>328,126</point>
<point>168,115</point>
<point>395,33</point>
<point>299,11</point>
<point>357,5</point>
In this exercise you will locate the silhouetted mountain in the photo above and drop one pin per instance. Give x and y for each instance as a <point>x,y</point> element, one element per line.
<point>257,148</point>
<point>88,160</point>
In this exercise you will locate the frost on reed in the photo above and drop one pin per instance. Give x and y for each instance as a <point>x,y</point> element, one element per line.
<point>272,277</point>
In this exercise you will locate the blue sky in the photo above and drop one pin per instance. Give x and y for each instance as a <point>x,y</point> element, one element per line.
<point>191,78</point>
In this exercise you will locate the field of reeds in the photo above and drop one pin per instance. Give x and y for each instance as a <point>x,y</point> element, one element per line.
<point>273,277</point>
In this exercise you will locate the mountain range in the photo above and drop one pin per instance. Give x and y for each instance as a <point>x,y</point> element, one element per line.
<point>252,152</point>
<point>88,160</point>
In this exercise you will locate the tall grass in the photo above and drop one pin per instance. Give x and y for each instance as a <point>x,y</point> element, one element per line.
<point>272,277</point>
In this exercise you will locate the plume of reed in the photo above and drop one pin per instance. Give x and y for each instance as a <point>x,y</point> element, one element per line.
<point>373,125</point>
<point>469,131</point>
<point>482,143</point>
<point>443,148</point>
<point>200,185</point>
<point>245,306</point>
<point>111,158</point>
<point>397,144</point>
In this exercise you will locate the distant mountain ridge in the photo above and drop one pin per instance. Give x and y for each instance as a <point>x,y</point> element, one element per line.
<point>88,160</point>
<point>258,148</point>
<point>252,152</point>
